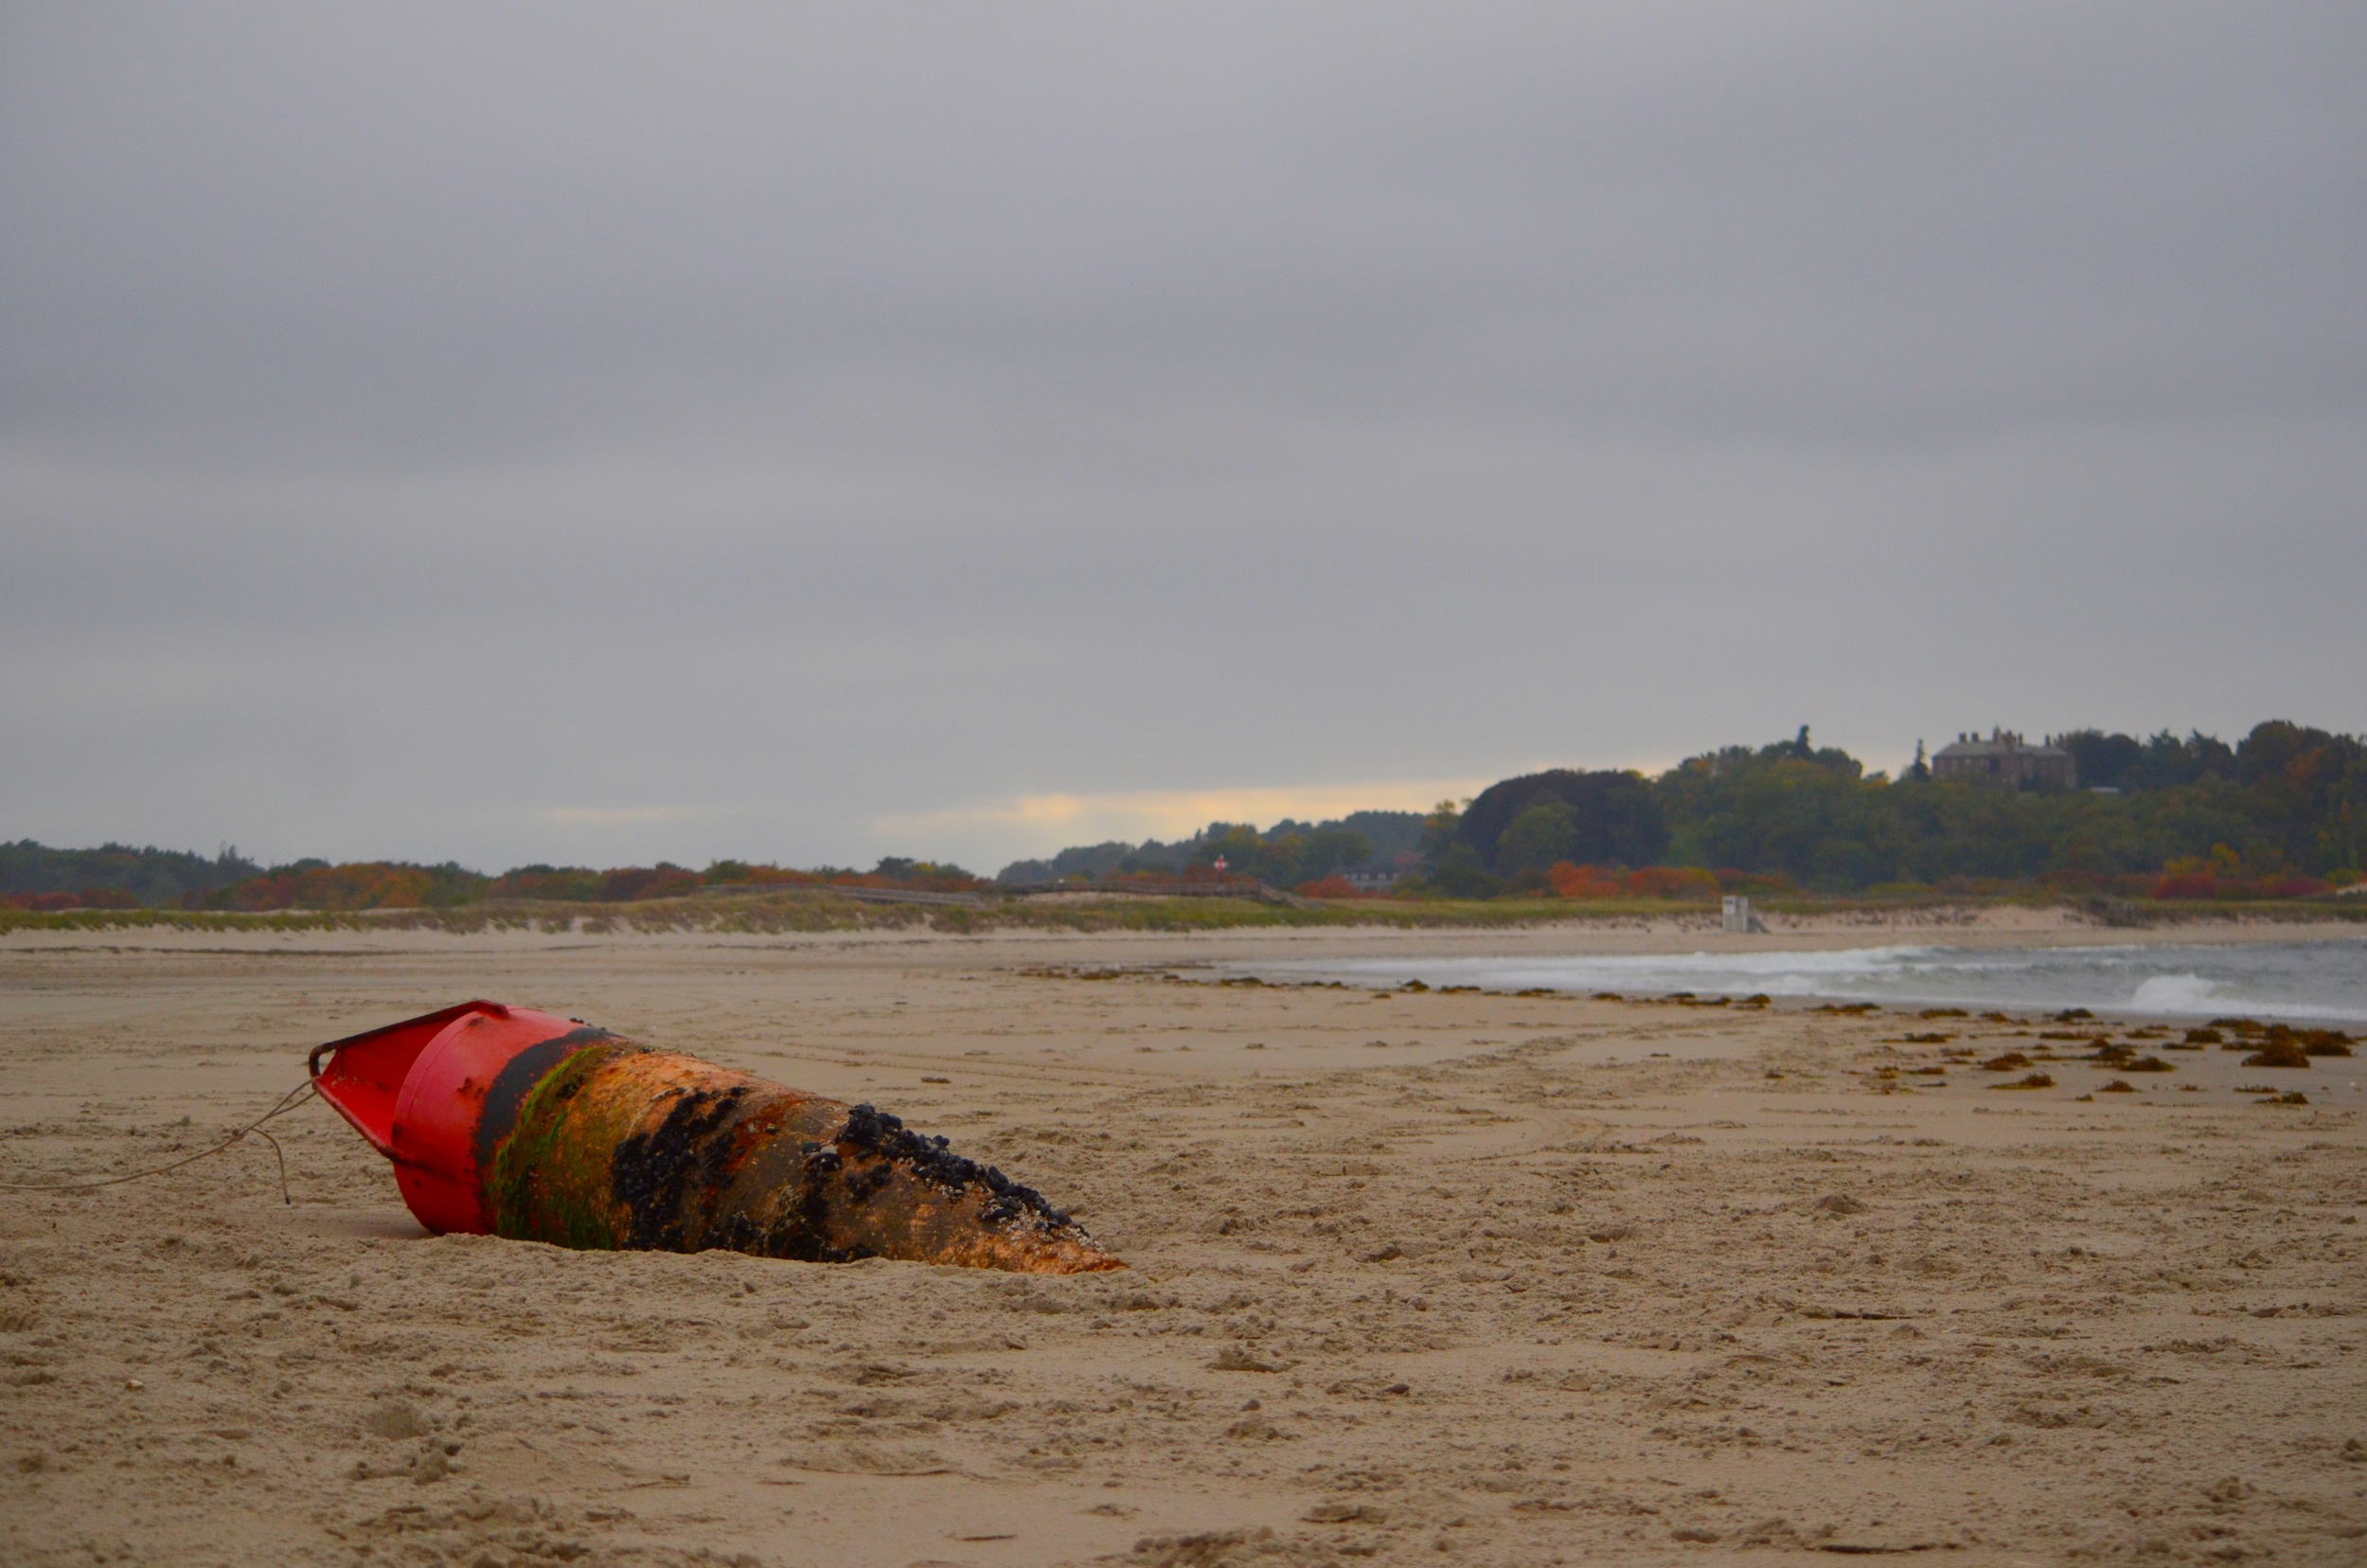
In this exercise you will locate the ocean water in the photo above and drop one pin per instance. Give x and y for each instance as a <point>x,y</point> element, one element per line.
<point>2317,981</point>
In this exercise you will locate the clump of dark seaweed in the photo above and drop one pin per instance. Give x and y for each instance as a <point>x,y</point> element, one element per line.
<point>2324,1042</point>
<point>871,1128</point>
<point>650,1171</point>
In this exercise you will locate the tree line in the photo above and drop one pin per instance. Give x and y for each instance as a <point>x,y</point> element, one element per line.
<point>1288,854</point>
<point>115,875</point>
<point>39,877</point>
<point>2278,814</point>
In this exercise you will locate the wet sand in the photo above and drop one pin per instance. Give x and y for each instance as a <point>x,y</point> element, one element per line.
<point>1414,1277</point>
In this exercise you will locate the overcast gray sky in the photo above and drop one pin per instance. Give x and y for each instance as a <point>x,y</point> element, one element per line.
<point>597,434</point>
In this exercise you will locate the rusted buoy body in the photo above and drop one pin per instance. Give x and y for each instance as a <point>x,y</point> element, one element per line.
<point>511,1122</point>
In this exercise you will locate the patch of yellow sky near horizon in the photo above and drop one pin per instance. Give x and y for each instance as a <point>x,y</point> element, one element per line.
<point>1041,824</point>
<point>1131,815</point>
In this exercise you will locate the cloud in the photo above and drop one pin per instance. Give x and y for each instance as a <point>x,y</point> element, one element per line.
<point>845,414</point>
<point>621,816</point>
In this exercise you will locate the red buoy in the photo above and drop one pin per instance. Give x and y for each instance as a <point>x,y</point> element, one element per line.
<point>511,1122</point>
<point>418,1091</point>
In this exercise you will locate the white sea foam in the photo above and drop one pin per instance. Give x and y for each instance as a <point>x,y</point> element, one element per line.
<point>2179,993</point>
<point>2300,980</point>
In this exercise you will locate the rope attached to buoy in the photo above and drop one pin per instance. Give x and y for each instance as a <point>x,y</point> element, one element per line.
<point>286,1103</point>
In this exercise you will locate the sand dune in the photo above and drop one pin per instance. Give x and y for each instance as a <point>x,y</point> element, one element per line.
<point>1414,1277</point>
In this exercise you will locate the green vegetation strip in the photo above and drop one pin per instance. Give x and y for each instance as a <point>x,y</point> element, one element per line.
<point>815,910</point>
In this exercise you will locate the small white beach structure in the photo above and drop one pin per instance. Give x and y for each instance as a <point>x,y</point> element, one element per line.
<point>1740,920</point>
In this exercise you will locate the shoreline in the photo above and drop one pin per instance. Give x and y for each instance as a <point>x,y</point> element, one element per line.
<point>1291,957</point>
<point>1650,934</point>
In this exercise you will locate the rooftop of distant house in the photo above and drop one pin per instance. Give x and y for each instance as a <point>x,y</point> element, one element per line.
<point>1999,741</point>
<point>2006,758</point>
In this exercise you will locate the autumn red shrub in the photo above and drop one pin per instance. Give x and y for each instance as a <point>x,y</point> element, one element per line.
<point>88,898</point>
<point>2294,887</point>
<point>2210,884</point>
<point>633,883</point>
<point>41,902</point>
<point>765,876</point>
<point>1584,881</point>
<point>1672,881</point>
<point>364,885</point>
<point>1334,886</point>
<point>1653,882</point>
<point>570,884</point>
<point>957,881</point>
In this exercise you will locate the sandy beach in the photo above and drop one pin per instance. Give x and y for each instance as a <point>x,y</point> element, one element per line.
<point>1413,1277</point>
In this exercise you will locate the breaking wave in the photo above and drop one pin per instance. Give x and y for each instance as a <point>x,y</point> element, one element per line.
<point>2294,980</point>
